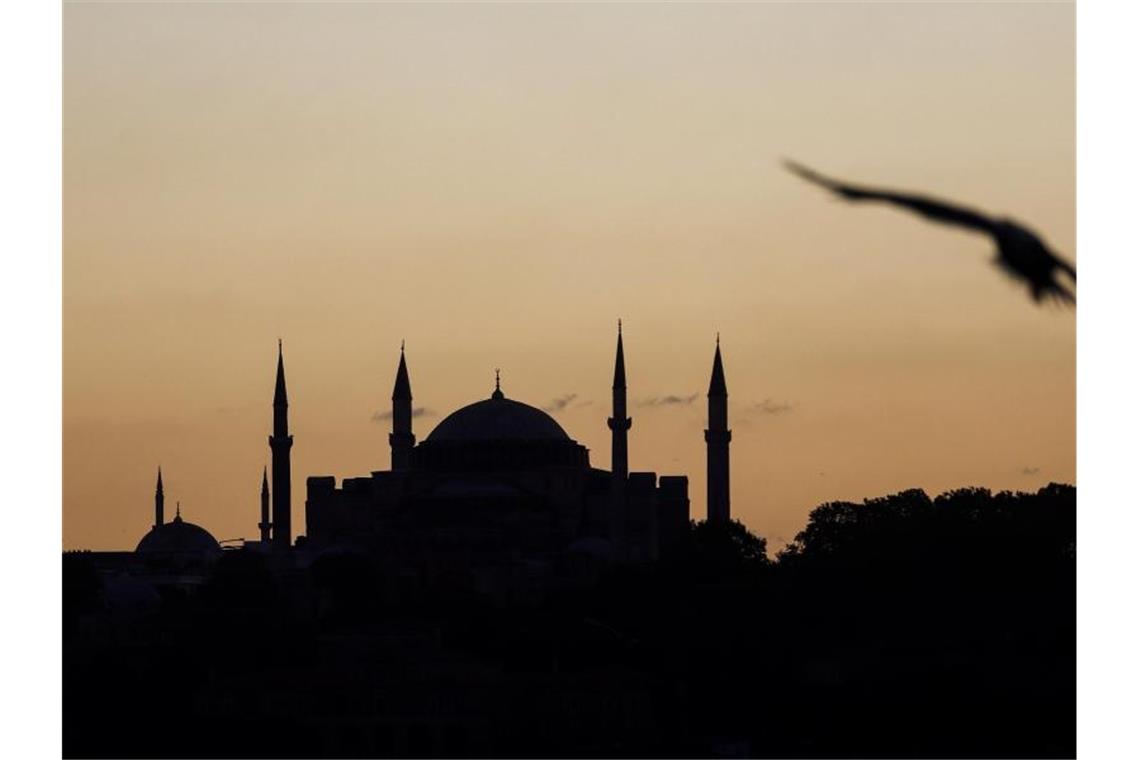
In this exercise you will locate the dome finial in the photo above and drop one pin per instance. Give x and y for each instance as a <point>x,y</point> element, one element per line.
<point>498,389</point>
<point>177,511</point>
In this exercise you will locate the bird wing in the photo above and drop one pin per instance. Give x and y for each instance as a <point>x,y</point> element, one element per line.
<point>937,210</point>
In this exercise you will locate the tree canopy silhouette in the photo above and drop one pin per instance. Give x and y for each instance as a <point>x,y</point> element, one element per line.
<point>902,625</point>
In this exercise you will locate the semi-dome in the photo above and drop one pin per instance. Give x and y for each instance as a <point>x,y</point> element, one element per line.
<point>498,419</point>
<point>178,537</point>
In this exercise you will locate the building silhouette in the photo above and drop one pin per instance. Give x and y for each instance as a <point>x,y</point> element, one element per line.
<point>498,497</point>
<point>174,554</point>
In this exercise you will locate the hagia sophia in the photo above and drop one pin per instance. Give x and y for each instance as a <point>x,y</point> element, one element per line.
<point>497,498</point>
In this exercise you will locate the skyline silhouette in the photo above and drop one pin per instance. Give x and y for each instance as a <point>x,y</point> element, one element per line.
<point>493,594</point>
<point>523,535</point>
<point>349,177</point>
<point>284,505</point>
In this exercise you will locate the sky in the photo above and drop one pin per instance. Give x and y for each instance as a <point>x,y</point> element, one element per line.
<point>497,184</point>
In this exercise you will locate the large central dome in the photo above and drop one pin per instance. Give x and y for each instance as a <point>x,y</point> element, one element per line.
<point>498,419</point>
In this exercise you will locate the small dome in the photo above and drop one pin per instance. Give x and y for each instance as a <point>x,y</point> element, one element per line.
<point>178,536</point>
<point>498,419</point>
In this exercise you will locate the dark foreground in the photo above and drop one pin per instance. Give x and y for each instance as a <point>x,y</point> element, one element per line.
<point>901,627</point>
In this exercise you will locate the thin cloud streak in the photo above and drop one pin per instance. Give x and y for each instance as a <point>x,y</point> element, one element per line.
<point>560,403</point>
<point>768,406</point>
<point>419,411</point>
<point>670,400</point>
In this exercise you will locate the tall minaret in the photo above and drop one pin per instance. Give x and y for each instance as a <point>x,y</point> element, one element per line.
<point>716,440</point>
<point>264,526</point>
<point>619,423</point>
<point>279,445</point>
<point>158,500</point>
<point>401,438</point>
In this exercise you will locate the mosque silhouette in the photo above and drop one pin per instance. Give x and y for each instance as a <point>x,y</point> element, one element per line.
<point>497,498</point>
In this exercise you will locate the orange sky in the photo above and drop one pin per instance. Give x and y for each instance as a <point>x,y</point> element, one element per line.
<point>499,183</point>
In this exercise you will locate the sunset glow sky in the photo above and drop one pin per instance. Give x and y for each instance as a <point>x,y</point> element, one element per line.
<point>498,184</point>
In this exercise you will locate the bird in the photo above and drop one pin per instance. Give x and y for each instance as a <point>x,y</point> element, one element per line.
<point>1020,252</point>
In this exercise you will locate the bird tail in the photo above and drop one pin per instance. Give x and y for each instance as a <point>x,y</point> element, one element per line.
<point>1056,293</point>
<point>1066,296</point>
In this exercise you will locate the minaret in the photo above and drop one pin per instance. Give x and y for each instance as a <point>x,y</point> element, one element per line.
<point>264,526</point>
<point>279,445</point>
<point>717,438</point>
<point>158,500</point>
<point>401,439</point>
<point>619,423</point>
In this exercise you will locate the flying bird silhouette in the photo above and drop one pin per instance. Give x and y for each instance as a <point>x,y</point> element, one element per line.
<point>1020,252</point>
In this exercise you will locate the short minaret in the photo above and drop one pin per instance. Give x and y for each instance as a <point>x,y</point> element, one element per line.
<point>265,525</point>
<point>619,423</point>
<point>279,445</point>
<point>401,439</point>
<point>158,501</point>
<point>717,437</point>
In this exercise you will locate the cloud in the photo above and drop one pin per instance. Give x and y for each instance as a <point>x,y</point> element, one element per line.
<point>560,403</point>
<point>1030,470</point>
<point>768,406</point>
<point>418,411</point>
<point>670,400</point>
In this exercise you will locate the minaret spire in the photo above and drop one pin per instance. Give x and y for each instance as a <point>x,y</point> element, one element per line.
<point>717,386</point>
<point>619,423</point>
<point>265,526</point>
<point>280,397</point>
<point>401,439</point>
<point>717,438</point>
<point>159,500</point>
<point>280,444</point>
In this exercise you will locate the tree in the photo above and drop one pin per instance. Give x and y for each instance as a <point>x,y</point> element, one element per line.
<point>716,552</point>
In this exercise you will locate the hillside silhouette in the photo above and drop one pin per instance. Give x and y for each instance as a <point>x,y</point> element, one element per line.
<point>899,626</point>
